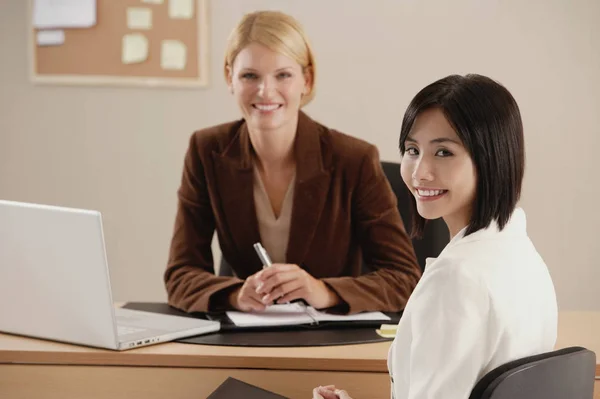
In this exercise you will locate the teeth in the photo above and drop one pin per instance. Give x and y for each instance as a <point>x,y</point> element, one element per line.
<point>429,193</point>
<point>267,107</point>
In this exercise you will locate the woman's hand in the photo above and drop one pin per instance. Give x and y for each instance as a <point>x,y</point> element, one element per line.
<point>245,297</point>
<point>282,283</point>
<point>329,392</point>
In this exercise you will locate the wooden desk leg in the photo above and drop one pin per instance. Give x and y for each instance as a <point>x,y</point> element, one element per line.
<point>64,382</point>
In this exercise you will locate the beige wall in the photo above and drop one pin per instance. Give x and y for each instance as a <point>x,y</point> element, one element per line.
<point>120,150</point>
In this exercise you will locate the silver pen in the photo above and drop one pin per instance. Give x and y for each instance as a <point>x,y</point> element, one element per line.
<point>263,255</point>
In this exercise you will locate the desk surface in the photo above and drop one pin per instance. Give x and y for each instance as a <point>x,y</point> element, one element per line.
<point>575,329</point>
<point>578,328</point>
<point>366,357</point>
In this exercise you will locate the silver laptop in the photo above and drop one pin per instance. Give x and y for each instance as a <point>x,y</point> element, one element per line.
<point>54,283</point>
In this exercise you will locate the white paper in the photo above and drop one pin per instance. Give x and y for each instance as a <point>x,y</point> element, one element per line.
<point>134,48</point>
<point>274,315</point>
<point>181,9</point>
<point>322,316</point>
<point>139,18</point>
<point>64,13</point>
<point>293,314</point>
<point>50,37</point>
<point>153,1</point>
<point>173,55</point>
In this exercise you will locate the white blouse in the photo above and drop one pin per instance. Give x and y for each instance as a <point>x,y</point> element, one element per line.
<point>486,300</point>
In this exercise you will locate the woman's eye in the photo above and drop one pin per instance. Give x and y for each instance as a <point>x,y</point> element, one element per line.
<point>443,153</point>
<point>412,151</point>
<point>284,75</point>
<point>249,75</point>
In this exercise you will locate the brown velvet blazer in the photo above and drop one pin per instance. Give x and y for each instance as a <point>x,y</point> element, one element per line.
<point>344,210</point>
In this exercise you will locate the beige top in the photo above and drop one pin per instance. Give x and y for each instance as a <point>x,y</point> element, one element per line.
<point>274,232</point>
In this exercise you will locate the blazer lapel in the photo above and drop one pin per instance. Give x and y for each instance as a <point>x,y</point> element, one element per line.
<point>234,180</point>
<point>310,192</point>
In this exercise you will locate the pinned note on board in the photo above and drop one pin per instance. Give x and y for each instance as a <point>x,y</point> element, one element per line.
<point>181,9</point>
<point>173,55</point>
<point>134,48</point>
<point>48,14</point>
<point>50,37</point>
<point>139,18</point>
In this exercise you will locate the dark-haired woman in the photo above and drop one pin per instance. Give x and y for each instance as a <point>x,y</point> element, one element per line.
<point>488,298</point>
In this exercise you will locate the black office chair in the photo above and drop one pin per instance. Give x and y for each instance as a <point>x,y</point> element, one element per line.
<point>563,374</point>
<point>435,236</point>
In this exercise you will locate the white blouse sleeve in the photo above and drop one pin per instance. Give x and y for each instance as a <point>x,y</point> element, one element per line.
<point>451,335</point>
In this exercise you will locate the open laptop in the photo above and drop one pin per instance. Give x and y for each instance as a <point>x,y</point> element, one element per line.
<point>54,283</point>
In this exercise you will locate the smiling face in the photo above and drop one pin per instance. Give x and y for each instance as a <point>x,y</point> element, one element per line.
<point>438,171</point>
<point>268,87</point>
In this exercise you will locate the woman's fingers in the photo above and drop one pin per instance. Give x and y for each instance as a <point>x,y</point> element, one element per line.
<point>324,392</point>
<point>293,295</point>
<point>248,299</point>
<point>267,284</point>
<point>341,394</point>
<point>253,305</point>
<point>283,291</point>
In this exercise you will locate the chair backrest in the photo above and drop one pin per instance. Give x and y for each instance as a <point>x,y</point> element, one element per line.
<point>435,236</point>
<point>565,373</point>
<point>225,268</point>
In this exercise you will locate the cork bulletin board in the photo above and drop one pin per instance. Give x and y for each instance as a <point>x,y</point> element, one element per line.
<point>95,55</point>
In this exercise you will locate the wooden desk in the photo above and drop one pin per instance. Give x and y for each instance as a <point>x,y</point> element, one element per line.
<point>31,368</point>
<point>41,369</point>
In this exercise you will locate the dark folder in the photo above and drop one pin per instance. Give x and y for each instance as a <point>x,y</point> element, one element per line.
<point>233,389</point>
<point>323,334</point>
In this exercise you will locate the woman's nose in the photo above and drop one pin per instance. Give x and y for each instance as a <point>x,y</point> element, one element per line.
<point>264,86</point>
<point>423,170</point>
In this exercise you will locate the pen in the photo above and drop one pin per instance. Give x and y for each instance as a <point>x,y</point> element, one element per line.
<point>266,261</point>
<point>263,255</point>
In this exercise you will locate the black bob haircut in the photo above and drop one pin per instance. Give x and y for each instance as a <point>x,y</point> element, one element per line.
<point>486,118</point>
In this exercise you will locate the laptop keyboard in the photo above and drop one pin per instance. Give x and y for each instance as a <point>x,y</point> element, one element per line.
<point>124,330</point>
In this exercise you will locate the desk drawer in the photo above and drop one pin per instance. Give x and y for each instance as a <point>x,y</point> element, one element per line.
<point>96,382</point>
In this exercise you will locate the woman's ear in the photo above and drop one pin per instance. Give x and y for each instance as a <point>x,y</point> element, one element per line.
<point>308,80</point>
<point>229,78</point>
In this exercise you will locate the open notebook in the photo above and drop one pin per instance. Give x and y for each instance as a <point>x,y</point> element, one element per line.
<point>294,314</point>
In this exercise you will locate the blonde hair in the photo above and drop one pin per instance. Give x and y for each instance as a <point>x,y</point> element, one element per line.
<point>278,32</point>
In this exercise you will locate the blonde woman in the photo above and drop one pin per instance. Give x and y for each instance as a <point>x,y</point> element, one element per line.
<point>316,199</point>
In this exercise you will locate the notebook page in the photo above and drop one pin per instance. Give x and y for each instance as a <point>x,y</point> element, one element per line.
<point>323,316</point>
<point>274,315</point>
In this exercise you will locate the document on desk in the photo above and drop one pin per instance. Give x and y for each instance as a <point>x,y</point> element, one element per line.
<point>294,314</point>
